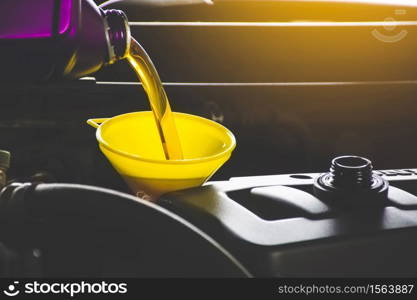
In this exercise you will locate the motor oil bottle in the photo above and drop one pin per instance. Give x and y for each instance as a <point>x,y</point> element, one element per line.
<point>54,39</point>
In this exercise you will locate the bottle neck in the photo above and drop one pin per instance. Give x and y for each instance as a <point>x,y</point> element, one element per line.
<point>117,34</point>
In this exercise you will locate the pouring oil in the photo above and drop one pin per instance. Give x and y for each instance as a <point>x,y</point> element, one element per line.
<point>145,70</point>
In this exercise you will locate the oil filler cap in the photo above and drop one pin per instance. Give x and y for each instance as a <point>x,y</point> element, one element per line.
<point>4,159</point>
<point>351,182</point>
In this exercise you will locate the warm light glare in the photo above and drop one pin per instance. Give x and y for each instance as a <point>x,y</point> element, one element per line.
<point>278,24</point>
<point>380,2</point>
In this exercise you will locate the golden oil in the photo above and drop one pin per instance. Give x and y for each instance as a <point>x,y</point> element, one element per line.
<point>164,119</point>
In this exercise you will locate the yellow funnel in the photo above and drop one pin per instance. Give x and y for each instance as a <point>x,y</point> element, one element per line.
<point>131,143</point>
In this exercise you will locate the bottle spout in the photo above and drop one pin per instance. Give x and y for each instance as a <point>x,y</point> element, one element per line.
<point>117,34</point>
